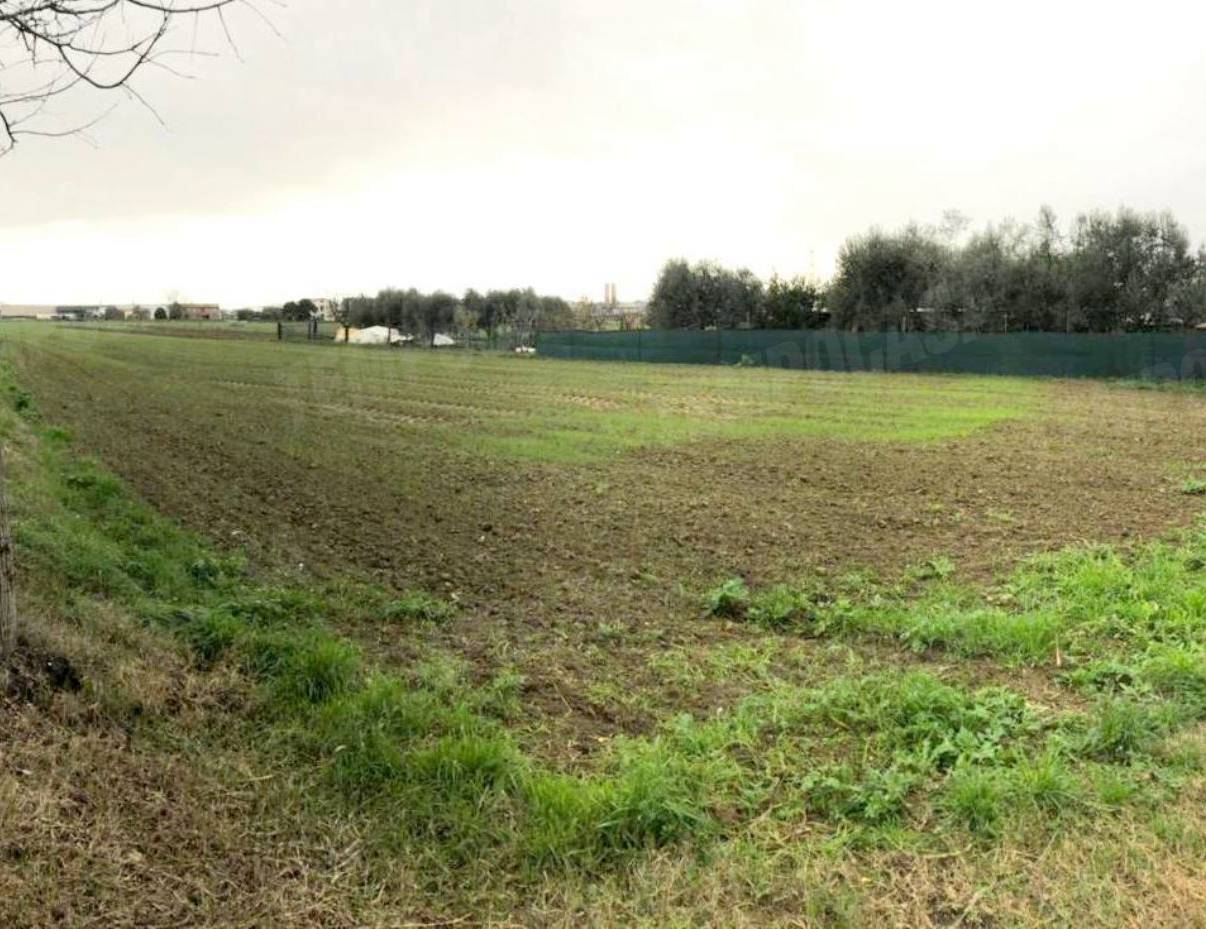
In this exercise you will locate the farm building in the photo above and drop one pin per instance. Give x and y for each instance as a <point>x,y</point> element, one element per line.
<point>209,311</point>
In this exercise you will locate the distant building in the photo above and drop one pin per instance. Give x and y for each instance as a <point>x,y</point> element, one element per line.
<point>27,311</point>
<point>74,313</point>
<point>210,311</point>
<point>46,311</point>
<point>611,312</point>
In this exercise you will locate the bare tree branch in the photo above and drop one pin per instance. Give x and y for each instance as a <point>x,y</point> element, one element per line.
<point>49,48</point>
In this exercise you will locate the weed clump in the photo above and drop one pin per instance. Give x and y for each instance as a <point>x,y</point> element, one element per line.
<point>780,607</point>
<point>1121,730</point>
<point>730,599</point>
<point>419,606</point>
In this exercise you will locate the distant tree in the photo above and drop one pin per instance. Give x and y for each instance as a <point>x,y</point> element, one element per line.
<point>555,313</point>
<point>435,314</point>
<point>161,313</point>
<point>526,315</point>
<point>1187,297</point>
<point>679,298</point>
<point>738,298</point>
<point>1126,267</point>
<point>883,278</point>
<point>497,311</point>
<point>789,304</point>
<point>1047,275</point>
<point>299,310</point>
<point>983,285</point>
<point>400,310</point>
<point>473,307</point>
<point>175,311</point>
<point>112,312</point>
<point>703,295</point>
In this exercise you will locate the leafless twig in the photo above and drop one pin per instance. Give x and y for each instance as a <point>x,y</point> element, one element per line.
<point>49,48</point>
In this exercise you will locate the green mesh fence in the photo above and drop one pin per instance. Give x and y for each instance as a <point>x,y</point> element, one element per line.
<point>1172,356</point>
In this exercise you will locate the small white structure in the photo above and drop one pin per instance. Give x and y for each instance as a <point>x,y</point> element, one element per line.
<point>442,341</point>
<point>373,335</point>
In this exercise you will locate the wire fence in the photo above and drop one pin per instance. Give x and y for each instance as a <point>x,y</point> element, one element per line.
<point>306,330</point>
<point>1157,355</point>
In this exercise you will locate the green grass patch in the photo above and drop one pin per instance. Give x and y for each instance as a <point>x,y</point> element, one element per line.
<point>545,411</point>
<point>418,606</point>
<point>1071,609</point>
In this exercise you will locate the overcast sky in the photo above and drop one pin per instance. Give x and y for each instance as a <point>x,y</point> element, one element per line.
<point>563,144</point>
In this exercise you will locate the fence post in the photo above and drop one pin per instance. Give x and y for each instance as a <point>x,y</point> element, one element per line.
<point>640,347</point>
<point>279,332</point>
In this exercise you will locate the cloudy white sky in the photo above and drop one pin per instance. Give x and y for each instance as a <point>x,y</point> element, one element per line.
<point>563,144</point>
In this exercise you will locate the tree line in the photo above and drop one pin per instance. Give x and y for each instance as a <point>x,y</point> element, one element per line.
<point>1107,272</point>
<point>518,312</point>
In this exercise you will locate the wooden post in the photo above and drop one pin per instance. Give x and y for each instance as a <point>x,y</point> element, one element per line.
<point>8,582</point>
